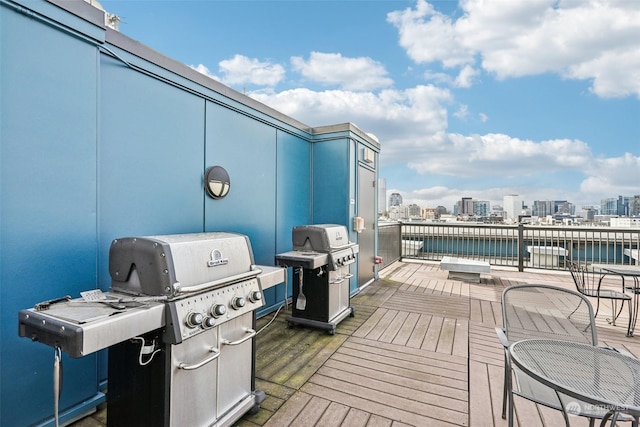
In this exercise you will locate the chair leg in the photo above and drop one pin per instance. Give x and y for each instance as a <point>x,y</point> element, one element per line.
<point>614,303</point>
<point>504,392</point>
<point>621,307</point>
<point>597,307</point>
<point>510,419</point>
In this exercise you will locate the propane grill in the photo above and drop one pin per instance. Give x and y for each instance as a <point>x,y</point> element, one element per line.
<point>179,323</point>
<point>321,256</point>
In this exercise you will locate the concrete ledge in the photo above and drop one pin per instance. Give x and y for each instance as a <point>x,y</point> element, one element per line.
<point>464,269</point>
<point>546,256</point>
<point>634,254</point>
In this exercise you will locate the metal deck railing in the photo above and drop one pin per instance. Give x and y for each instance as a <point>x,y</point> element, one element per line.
<point>521,245</point>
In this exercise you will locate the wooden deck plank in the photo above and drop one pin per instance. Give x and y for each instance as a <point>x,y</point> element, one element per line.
<point>441,305</point>
<point>405,389</point>
<point>394,327</point>
<point>432,336</point>
<point>380,403</point>
<point>370,323</point>
<point>479,396</point>
<point>289,411</point>
<point>419,331</point>
<point>288,355</point>
<point>405,352</point>
<point>334,415</point>
<point>313,411</point>
<point>379,329</point>
<point>452,372</point>
<point>378,421</point>
<point>405,331</point>
<point>396,376</point>
<point>298,373</point>
<point>356,418</point>
<point>461,339</point>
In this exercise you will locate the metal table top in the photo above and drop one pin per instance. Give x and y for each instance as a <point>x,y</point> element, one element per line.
<point>623,270</point>
<point>596,375</point>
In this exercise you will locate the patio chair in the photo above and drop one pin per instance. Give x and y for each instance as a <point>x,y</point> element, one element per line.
<point>544,311</point>
<point>589,283</point>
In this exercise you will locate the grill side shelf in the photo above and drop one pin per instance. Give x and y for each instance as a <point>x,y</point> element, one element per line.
<point>51,331</point>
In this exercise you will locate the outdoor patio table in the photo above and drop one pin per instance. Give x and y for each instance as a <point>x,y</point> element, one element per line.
<point>632,271</point>
<point>599,376</point>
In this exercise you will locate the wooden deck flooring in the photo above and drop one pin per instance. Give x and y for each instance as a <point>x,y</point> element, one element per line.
<point>421,350</point>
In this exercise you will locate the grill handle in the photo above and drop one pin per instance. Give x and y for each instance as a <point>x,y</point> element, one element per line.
<point>200,364</point>
<point>251,333</point>
<point>214,283</point>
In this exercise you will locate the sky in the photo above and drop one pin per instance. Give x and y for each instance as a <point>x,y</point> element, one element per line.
<point>469,98</point>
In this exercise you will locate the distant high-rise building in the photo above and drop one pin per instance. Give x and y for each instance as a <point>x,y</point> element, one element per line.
<point>589,213</point>
<point>566,208</point>
<point>634,206</point>
<point>481,208</point>
<point>395,199</point>
<point>513,205</point>
<point>623,205</point>
<point>609,206</point>
<point>466,206</point>
<point>413,210</point>
<point>542,208</point>
<point>382,196</point>
<point>441,210</point>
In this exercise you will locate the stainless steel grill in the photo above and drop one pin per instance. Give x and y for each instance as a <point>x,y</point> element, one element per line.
<point>321,256</point>
<point>179,324</point>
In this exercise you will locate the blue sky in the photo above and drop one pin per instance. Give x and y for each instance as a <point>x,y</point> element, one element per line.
<point>473,98</point>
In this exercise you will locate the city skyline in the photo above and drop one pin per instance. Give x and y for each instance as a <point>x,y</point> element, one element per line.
<point>481,98</point>
<point>613,204</point>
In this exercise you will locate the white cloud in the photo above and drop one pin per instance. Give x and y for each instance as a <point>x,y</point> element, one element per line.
<point>591,40</point>
<point>243,70</point>
<point>501,155</point>
<point>467,77</point>
<point>462,112</point>
<point>430,36</point>
<point>402,120</point>
<point>356,74</point>
<point>411,126</point>
<point>204,70</point>
<point>618,175</point>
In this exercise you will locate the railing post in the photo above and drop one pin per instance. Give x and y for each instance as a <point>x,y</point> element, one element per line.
<point>520,246</point>
<point>400,240</point>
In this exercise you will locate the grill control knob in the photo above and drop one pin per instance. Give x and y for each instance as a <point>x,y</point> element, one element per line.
<point>237,303</point>
<point>255,296</point>
<point>218,310</point>
<point>209,322</point>
<point>194,319</point>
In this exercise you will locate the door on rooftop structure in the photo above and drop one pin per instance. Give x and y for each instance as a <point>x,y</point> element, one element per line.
<point>367,210</point>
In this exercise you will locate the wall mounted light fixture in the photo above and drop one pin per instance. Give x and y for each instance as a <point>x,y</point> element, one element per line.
<point>216,182</point>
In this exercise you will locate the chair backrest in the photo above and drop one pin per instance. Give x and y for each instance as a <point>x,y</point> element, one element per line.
<point>587,281</point>
<point>544,311</point>
<point>577,272</point>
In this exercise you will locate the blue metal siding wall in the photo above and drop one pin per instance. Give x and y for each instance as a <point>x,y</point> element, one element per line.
<point>247,150</point>
<point>331,172</point>
<point>91,150</point>
<point>293,198</point>
<point>48,211</point>
<point>151,158</point>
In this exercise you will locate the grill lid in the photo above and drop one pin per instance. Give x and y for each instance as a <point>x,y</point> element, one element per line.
<point>172,264</point>
<point>320,238</point>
